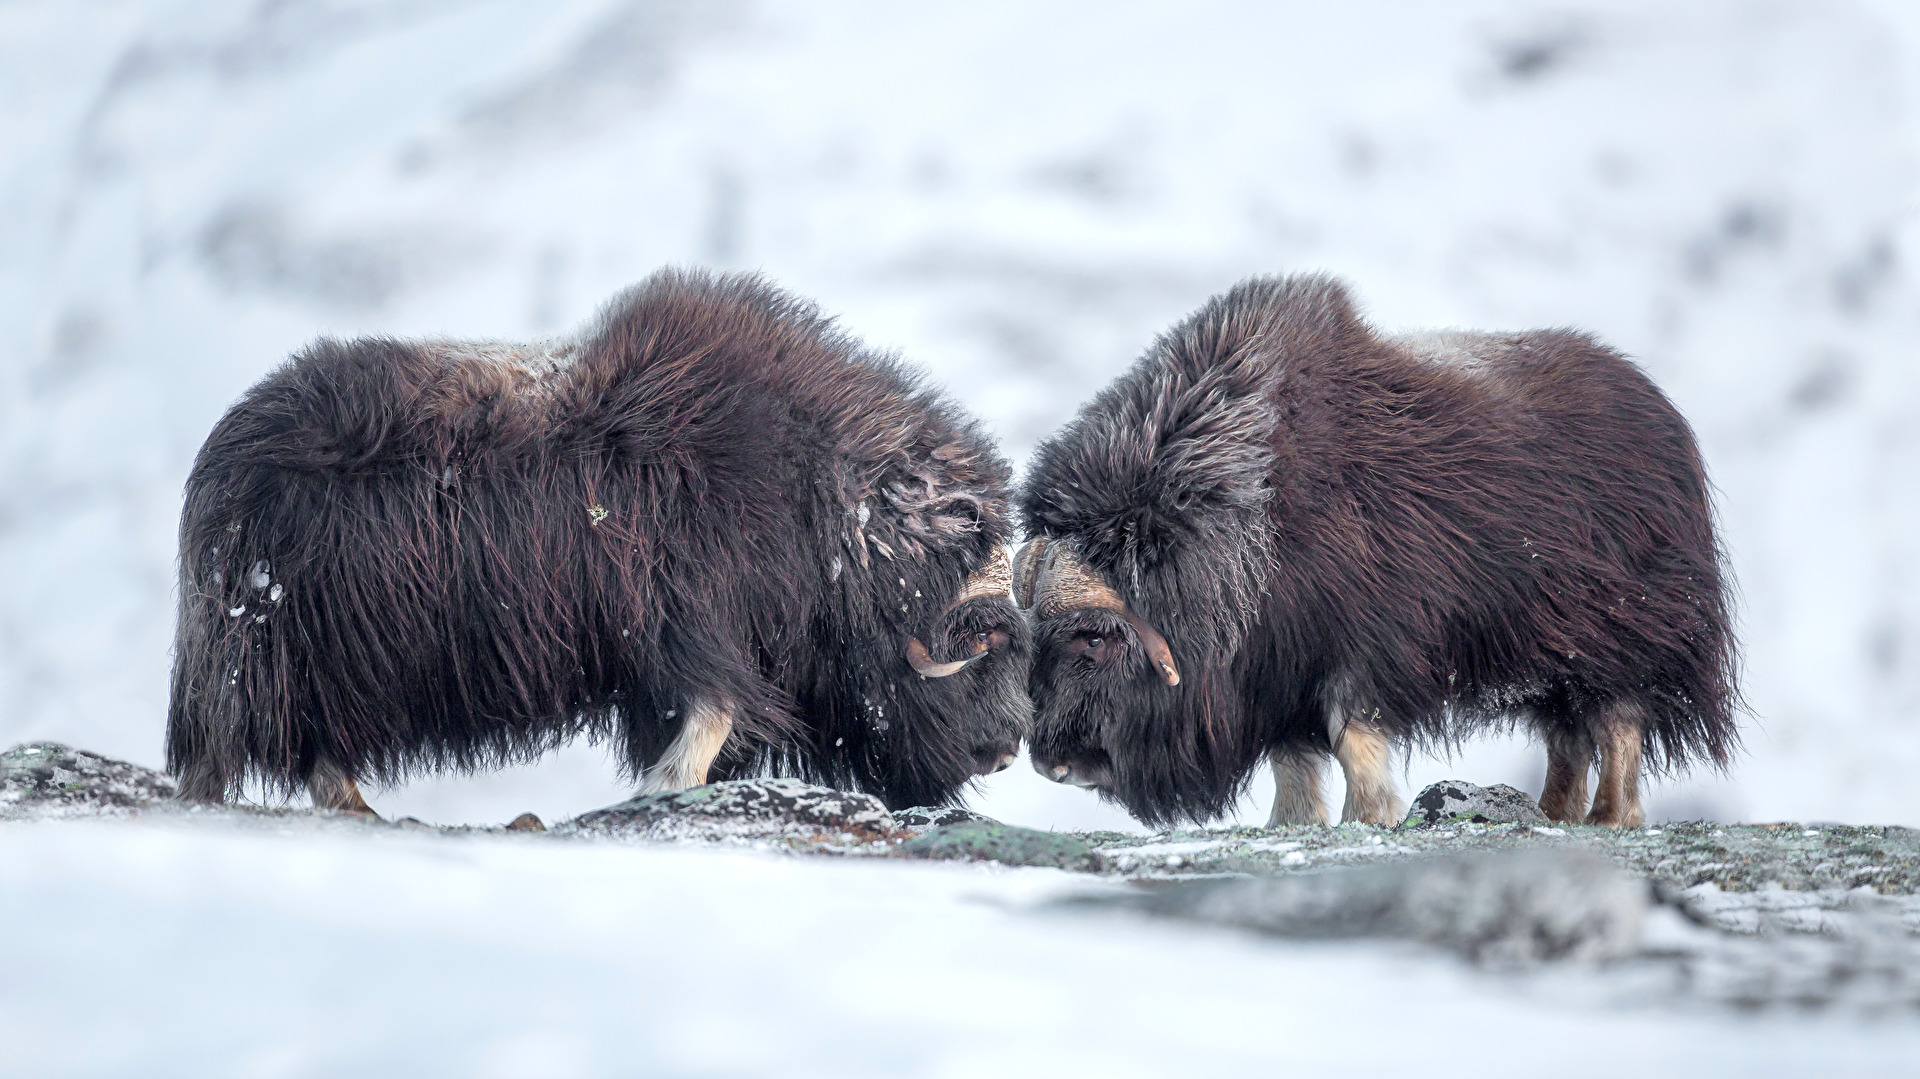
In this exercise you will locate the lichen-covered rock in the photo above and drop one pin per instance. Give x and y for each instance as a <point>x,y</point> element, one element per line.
<point>1831,859</point>
<point>985,841</point>
<point>1773,910</point>
<point>1874,969</point>
<point>923,818</point>
<point>1776,947</point>
<point>1451,801</point>
<point>47,779</point>
<point>743,809</point>
<point>1501,909</point>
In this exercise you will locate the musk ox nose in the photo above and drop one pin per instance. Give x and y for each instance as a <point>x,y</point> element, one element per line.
<point>1083,775</point>
<point>987,761</point>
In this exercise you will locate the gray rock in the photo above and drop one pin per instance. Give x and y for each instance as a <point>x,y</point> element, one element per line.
<point>1452,801</point>
<point>1501,909</point>
<point>1858,955</point>
<point>743,809</point>
<point>1733,857</point>
<point>923,818</point>
<point>47,779</point>
<point>986,841</point>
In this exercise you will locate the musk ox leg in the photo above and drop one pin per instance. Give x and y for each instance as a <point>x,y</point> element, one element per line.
<point>1616,798</point>
<point>202,781</point>
<point>1296,788</point>
<point>1564,797</point>
<point>334,791</point>
<point>686,761</point>
<point>1366,756</point>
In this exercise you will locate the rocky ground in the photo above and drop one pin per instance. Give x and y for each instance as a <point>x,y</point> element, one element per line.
<point>1766,914</point>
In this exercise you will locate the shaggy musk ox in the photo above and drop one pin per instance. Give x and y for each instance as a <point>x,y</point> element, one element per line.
<point>1284,534</point>
<point>712,529</point>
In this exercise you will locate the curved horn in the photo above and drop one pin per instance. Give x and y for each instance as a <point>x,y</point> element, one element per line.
<point>1157,648</point>
<point>1051,578</point>
<point>994,579</point>
<point>922,661</point>
<point>1026,575</point>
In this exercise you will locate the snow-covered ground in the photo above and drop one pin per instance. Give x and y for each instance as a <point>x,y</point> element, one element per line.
<point>1018,197</point>
<point>142,949</point>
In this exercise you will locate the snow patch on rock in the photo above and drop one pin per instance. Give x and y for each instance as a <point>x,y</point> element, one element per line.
<point>744,810</point>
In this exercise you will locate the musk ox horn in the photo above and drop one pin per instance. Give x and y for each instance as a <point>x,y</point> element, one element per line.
<point>994,579</point>
<point>1026,567</point>
<point>922,661</point>
<point>1049,577</point>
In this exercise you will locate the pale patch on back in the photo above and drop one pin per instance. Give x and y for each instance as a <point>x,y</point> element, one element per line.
<point>1466,351</point>
<point>522,378</point>
<point>536,361</point>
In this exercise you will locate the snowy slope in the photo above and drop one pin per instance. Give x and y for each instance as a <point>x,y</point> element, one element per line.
<point>1017,197</point>
<point>141,950</point>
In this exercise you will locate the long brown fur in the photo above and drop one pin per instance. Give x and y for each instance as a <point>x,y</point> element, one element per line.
<point>1430,535</point>
<point>402,556</point>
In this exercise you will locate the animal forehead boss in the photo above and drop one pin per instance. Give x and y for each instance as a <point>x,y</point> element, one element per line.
<point>1050,578</point>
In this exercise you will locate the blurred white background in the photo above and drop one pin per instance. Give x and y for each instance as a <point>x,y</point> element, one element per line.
<point>1017,197</point>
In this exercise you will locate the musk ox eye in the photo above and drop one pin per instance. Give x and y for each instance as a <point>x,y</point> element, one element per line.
<point>988,640</point>
<point>1088,645</point>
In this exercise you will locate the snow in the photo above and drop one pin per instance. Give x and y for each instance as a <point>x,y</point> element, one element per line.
<point>1018,200</point>
<point>209,951</point>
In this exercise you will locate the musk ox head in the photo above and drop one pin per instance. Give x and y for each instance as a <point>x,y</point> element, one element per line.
<point>965,699</point>
<point>1117,710</point>
<point>1153,557</point>
<point>923,692</point>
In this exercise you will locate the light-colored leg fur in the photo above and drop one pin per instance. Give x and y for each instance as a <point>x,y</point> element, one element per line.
<point>1564,796</point>
<point>1616,798</point>
<point>686,761</point>
<point>334,791</point>
<point>203,782</point>
<point>1366,756</point>
<point>1296,788</point>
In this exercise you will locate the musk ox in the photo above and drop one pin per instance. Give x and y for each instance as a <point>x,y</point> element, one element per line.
<point>711,528</point>
<point>1284,534</point>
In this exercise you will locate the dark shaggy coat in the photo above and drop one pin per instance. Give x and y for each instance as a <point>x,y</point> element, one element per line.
<point>1434,534</point>
<point>399,556</point>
